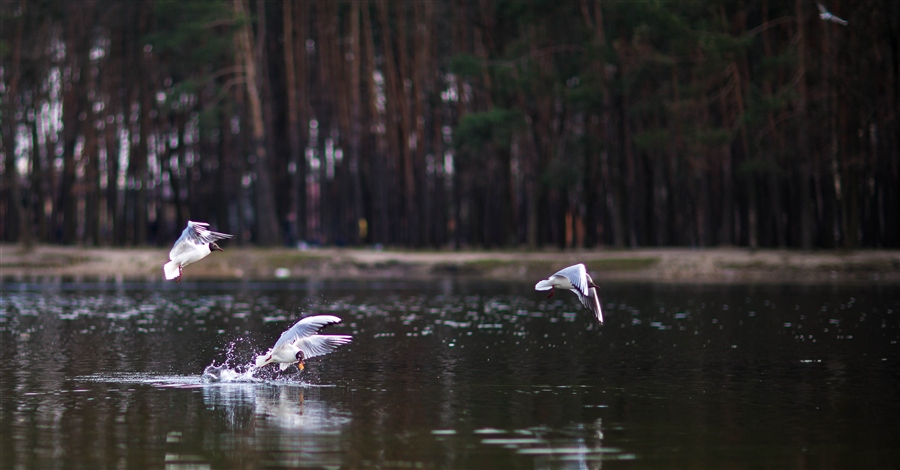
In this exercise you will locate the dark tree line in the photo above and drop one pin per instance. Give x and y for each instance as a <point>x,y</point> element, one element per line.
<point>452,123</point>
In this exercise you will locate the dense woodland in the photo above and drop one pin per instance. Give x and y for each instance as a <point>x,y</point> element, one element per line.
<point>459,123</point>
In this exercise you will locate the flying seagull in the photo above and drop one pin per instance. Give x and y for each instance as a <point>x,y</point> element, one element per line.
<point>195,243</point>
<point>576,279</point>
<point>303,341</point>
<point>827,16</point>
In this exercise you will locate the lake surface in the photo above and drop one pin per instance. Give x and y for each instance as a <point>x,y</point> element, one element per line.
<point>450,374</point>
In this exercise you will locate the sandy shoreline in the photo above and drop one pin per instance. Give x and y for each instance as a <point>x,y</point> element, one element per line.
<point>715,265</point>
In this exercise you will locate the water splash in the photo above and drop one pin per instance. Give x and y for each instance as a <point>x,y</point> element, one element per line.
<point>236,368</point>
<point>223,373</point>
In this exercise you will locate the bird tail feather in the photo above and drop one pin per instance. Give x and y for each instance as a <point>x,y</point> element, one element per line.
<point>543,285</point>
<point>171,270</point>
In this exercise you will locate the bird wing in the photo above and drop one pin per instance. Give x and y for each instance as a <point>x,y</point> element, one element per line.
<point>198,233</point>
<point>577,276</point>
<point>319,345</point>
<point>305,327</point>
<point>822,8</point>
<point>592,300</point>
<point>195,234</point>
<point>837,20</point>
<point>185,243</point>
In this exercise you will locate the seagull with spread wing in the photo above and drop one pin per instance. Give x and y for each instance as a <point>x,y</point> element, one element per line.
<point>576,279</point>
<point>828,16</point>
<point>195,243</point>
<point>303,341</point>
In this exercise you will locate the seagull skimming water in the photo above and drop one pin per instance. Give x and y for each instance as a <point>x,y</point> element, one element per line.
<point>302,342</point>
<point>195,243</point>
<point>576,279</point>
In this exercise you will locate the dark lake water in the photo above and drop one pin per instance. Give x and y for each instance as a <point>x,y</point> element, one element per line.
<point>451,374</point>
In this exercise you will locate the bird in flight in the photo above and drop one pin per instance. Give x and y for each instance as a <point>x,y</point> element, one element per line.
<point>576,279</point>
<point>195,243</point>
<point>828,16</point>
<point>303,341</point>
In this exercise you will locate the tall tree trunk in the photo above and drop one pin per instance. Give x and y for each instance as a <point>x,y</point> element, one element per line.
<point>91,180</point>
<point>303,13</point>
<point>595,141</point>
<point>270,79</point>
<point>40,186</point>
<point>19,209</point>
<point>421,79</point>
<point>355,65</point>
<point>805,167</point>
<point>630,178</point>
<point>295,152</point>
<point>138,161</point>
<point>403,110</point>
<point>74,103</point>
<point>726,194</point>
<point>379,172</point>
<point>267,230</point>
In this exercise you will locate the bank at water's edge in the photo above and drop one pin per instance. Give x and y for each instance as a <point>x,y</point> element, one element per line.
<point>714,265</point>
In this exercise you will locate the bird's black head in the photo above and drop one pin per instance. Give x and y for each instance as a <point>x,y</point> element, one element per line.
<point>214,247</point>
<point>299,356</point>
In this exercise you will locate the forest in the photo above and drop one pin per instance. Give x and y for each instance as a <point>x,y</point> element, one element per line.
<point>452,124</point>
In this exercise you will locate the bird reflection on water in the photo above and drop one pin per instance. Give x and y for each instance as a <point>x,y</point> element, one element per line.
<point>296,427</point>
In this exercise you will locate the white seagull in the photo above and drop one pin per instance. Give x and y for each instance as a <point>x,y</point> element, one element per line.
<point>302,342</point>
<point>827,16</point>
<point>576,279</point>
<point>195,243</point>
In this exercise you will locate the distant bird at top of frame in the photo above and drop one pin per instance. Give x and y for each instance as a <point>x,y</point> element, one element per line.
<point>828,16</point>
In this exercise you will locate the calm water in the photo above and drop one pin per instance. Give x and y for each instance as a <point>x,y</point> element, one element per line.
<point>451,374</point>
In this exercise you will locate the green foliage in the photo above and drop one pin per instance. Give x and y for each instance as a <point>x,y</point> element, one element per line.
<point>769,67</point>
<point>713,136</point>
<point>653,139</point>
<point>564,172</point>
<point>760,106</point>
<point>588,97</point>
<point>465,65</point>
<point>760,166</point>
<point>209,120</point>
<point>476,130</point>
<point>194,34</point>
<point>719,44</point>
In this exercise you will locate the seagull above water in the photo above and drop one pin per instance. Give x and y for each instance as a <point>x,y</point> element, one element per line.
<point>302,342</point>
<point>827,16</point>
<point>195,243</point>
<point>576,279</point>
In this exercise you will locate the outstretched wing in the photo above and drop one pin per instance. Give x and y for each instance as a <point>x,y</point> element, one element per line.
<point>592,300</point>
<point>582,287</point>
<point>319,345</point>
<point>822,8</point>
<point>195,234</point>
<point>577,276</point>
<point>304,328</point>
